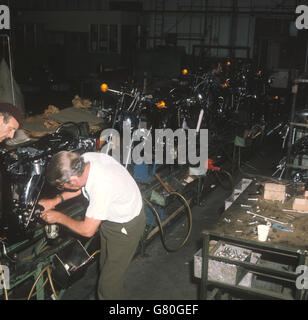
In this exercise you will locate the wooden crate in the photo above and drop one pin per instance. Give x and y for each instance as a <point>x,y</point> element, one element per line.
<point>274,191</point>
<point>300,204</point>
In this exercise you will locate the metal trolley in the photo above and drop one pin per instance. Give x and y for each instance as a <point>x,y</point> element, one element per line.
<point>286,277</point>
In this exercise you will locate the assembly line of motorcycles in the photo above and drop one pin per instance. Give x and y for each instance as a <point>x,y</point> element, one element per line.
<point>238,104</point>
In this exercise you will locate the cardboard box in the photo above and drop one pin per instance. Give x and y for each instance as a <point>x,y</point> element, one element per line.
<point>300,204</point>
<point>274,191</point>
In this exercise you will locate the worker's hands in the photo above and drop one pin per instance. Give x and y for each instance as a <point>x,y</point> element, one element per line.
<point>51,216</point>
<point>48,203</point>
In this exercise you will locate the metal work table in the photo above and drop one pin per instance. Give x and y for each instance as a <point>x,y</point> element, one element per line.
<point>285,249</point>
<point>236,222</point>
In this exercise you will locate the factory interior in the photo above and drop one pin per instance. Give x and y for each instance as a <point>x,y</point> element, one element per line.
<point>203,104</point>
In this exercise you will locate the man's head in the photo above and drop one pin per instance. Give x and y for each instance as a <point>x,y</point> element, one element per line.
<point>10,120</point>
<point>66,170</point>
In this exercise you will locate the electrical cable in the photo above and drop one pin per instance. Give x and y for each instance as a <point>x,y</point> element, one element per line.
<point>39,276</point>
<point>48,269</point>
<point>36,292</point>
<point>94,253</point>
<point>51,283</point>
<point>36,280</point>
<point>161,227</point>
<point>168,189</point>
<point>4,284</point>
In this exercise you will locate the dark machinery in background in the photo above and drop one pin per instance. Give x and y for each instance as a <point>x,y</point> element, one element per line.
<point>293,164</point>
<point>23,180</point>
<point>238,104</point>
<point>140,114</point>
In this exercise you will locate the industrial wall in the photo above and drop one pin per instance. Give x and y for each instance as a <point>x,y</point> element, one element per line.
<point>229,27</point>
<point>262,30</point>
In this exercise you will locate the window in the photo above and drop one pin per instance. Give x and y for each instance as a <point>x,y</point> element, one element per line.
<point>113,38</point>
<point>104,38</point>
<point>79,41</point>
<point>20,36</point>
<point>93,37</point>
<point>30,35</point>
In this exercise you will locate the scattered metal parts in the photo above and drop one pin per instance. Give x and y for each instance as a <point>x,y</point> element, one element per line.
<point>253,222</point>
<point>266,218</point>
<point>293,218</point>
<point>232,253</point>
<point>289,210</point>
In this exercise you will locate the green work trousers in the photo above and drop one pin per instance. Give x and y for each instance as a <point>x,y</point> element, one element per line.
<point>119,242</point>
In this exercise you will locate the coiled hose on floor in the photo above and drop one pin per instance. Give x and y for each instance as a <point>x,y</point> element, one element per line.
<point>160,223</point>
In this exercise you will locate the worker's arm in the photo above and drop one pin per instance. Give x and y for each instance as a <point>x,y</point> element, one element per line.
<point>86,227</point>
<point>51,203</point>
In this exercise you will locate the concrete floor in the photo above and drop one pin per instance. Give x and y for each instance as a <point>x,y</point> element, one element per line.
<point>161,275</point>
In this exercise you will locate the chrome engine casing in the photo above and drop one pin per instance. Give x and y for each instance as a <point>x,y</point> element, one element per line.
<point>23,178</point>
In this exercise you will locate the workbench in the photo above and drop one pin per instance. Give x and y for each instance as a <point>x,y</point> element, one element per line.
<point>278,258</point>
<point>236,222</point>
<point>48,122</point>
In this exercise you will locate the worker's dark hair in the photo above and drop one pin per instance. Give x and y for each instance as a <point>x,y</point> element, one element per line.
<point>8,111</point>
<point>63,165</point>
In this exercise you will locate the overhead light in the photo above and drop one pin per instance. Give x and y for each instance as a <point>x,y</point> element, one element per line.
<point>104,87</point>
<point>184,72</point>
<point>161,105</point>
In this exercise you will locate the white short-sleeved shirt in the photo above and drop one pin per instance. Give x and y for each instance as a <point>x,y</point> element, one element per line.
<point>112,192</point>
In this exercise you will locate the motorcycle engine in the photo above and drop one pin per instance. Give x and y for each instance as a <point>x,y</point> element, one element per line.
<point>23,179</point>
